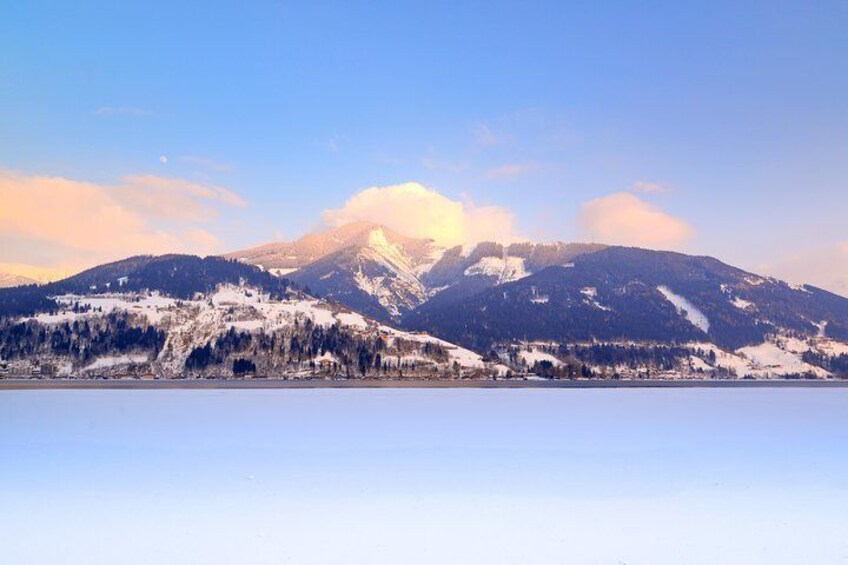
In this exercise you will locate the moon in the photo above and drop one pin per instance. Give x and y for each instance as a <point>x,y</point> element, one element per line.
<point>163,159</point>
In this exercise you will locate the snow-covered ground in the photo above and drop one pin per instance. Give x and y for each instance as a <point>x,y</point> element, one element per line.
<point>109,362</point>
<point>465,357</point>
<point>532,355</point>
<point>774,358</point>
<point>281,271</point>
<point>152,306</point>
<point>767,358</point>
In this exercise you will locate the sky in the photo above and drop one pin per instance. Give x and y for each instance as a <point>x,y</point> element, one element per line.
<point>716,128</point>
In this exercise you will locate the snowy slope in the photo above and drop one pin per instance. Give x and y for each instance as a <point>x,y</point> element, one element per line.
<point>686,309</point>
<point>777,358</point>
<point>192,324</point>
<point>386,275</point>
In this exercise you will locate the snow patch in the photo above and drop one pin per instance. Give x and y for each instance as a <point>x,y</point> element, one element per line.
<point>832,348</point>
<point>742,304</point>
<point>434,291</point>
<point>768,358</point>
<point>537,298</point>
<point>686,309</point>
<point>800,288</point>
<point>352,319</point>
<point>590,295</point>
<point>699,364</point>
<point>281,271</point>
<point>533,355</point>
<point>153,306</point>
<point>109,362</point>
<point>505,269</point>
<point>464,357</point>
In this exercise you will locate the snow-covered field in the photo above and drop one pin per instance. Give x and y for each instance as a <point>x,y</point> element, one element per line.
<point>533,355</point>
<point>776,358</point>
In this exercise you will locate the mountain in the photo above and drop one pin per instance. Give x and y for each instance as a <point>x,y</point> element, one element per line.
<point>622,293</point>
<point>367,267</point>
<point>9,280</point>
<point>180,276</point>
<point>518,301</point>
<point>284,257</point>
<point>392,306</point>
<point>462,273</point>
<point>181,316</point>
<point>383,274</point>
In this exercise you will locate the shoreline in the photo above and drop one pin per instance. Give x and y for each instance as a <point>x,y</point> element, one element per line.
<point>200,384</point>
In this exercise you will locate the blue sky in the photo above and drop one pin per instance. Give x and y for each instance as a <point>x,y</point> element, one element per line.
<point>737,110</point>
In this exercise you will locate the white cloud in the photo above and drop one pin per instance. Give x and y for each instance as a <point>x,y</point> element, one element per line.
<point>174,198</point>
<point>58,223</point>
<point>417,211</point>
<point>825,268</point>
<point>624,219</point>
<point>648,187</point>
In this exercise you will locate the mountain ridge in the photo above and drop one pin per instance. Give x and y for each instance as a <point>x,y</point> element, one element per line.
<point>9,280</point>
<point>182,316</point>
<point>491,296</point>
<point>556,310</point>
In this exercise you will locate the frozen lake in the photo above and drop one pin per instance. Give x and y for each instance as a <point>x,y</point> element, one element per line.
<point>441,476</point>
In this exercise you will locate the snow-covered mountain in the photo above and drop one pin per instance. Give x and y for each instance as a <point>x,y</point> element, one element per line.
<point>625,311</point>
<point>9,280</point>
<point>207,317</point>
<point>382,305</point>
<point>494,298</point>
<point>386,275</point>
<point>365,266</point>
<point>282,258</point>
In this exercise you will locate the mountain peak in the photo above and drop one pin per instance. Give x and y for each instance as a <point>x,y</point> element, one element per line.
<point>287,256</point>
<point>8,280</point>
